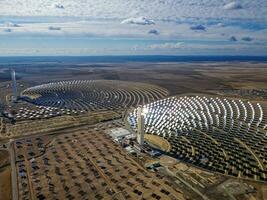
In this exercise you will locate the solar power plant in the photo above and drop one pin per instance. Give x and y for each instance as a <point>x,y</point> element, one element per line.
<point>90,95</point>
<point>224,135</point>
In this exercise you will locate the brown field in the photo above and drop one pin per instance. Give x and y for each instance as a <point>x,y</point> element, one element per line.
<point>5,183</point>
<point>4,158</point>
<point>62,122</point>
<point>5,176</point>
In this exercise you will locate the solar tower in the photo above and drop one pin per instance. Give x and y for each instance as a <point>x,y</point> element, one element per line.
<point>140,126</point>
<point>14,85</point>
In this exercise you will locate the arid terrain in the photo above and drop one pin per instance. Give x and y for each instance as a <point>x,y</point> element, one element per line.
<point>178,78</point>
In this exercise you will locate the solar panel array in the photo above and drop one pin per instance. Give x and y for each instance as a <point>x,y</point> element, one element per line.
<point>220,134</point>
<point>90,95</point>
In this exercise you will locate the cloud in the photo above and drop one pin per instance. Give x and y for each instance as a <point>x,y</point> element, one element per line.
<point>247,39</point>
<point>54,28</point>
<point>198,27</point>
<point>136,48</point>
<point>58,5</point>
<point>7,30</point>
<point>185,20</point>
<point>138,21</point>
<point>10,24</point>
<point>232,6</point>
<point>233,39</point>
<point>122,9</point>
<point>153,31</point>
<point>167,45</point>
<point>220,25</point>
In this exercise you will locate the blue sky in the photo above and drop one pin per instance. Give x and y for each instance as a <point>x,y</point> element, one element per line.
<point>136,27</point>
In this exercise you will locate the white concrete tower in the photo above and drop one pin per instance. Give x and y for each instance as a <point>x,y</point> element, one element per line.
<point>141,111</point>
<point>14,85</point>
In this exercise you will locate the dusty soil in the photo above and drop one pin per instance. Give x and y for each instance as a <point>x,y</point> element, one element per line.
<point>4,158</point>
<point>5,176</point>
<point>5,183</point>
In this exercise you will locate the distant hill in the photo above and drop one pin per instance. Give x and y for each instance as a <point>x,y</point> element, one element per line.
<point>115,59</point>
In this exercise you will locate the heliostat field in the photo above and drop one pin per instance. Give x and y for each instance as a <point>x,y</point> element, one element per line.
<point>220,134</point>
<point>89,95</point>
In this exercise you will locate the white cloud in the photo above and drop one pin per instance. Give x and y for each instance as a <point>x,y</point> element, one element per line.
<point>113,28</point>
<point>233,39</point>
<point>247,39</point>
<point>232,6</point>
<point>58,5</point>
<point>153,31</point>
<point>198,28</point>
<point>167,45</point>
<point>220,25</point>
<point>172,20</point>
<point>11,24</point>
<point>138,21</point>
<point>121,9</point>
<point>54,28</point>
<point>7,30</point>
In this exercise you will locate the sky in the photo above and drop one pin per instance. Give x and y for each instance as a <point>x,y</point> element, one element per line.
<point>133,27</point>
